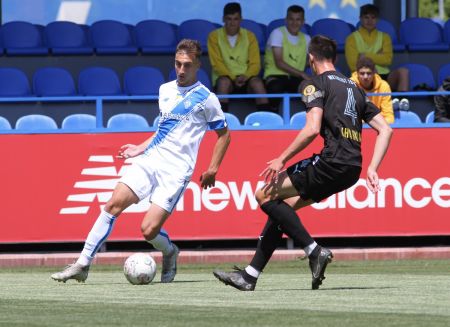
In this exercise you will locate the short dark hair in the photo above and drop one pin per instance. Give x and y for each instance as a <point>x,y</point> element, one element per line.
<point>232,8</point>
<point>369,9</point>
<point>190,46</point>
<point>296,9</point>
<point>365,62</point>
<point>322,48</point>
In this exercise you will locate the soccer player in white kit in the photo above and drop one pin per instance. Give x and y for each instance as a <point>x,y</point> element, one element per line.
<point>163,165</point>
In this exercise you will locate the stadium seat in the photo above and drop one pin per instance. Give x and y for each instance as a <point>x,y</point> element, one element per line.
<point>13,83</point>
<point>197,29</point>
<point>260,31</point>
<point>232,121</point>
<point>263,119</point>
<point>98,81</point>
<point>430,117</point>
<point>142,80</point>
<point>298,120</point>
<point>420,76</point>
<point>112,37</point>
<point>35,122</point>
<point>22,38</point>
<point>156,36</point>
<point>53,81</point>
<point>406,118</point>
<point>201,74</point>
<point>334,28</point>
<point>447,32</point>
<point>4,124</point>
<point>79,121</point>
<point>65,38</point>
<point>443,73</point>
<point>127,121</point>
<point>156,122</point>
<point>306,28</point>
<point>422,34</point>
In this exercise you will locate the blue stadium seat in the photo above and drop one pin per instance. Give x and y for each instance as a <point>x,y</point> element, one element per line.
<point>79,121</point>
<point>232,121</point>
<point>260,31</point>
<point>420,75</point>
<point>447,32</point>
<point>35,123</point>
<point>53,81</point>
<point>443,73</point>
<point>4,124</point>
<point>142,80</point>
<point>306,28</point>
<point>298,120</point>
<point>406,118</point>
<point>156,122</point>
<point>201,75</point>
<point>127,121</point>
<point>112,37</point>
<point>98,81</point>
<point>422,34</point>
<point>67,38</point>
<point>430,117</point>
<point>263,119</point>
<point>334,28</point>
<point>197,29</point>
<point>13,83</point>
<point>22,38</point>
<point>156,36</point>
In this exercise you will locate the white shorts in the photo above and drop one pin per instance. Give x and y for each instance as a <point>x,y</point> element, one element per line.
<point>163,189</point>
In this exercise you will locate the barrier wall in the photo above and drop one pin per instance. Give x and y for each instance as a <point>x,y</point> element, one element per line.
<point>55,184</point>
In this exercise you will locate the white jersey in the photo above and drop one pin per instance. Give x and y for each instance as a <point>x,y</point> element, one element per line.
<point>185,115</point>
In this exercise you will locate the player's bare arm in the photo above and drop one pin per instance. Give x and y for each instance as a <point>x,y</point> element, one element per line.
<point>303,139</point>
<point>208,178</point>
<point>131,150</point>
<point>384,131</point>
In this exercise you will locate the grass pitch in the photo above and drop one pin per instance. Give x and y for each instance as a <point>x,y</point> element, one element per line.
<point>370,293</point>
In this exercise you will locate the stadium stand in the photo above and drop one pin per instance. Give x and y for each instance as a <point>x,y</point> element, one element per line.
<point>333,28</point>
<point>98,81</point>
<point>197,29</point>
<point>447,32</point>
<point>298,120</point>
<point>53,81</point>
<point>422,34</point>
<point>232,121</point>
<point>4,124</point>
<point>67,38</point>
<point>406,118</point>
<point>13,83</point>
<point>430,117</point>
<point>264,119</point>
<point>260,31</point>
<point>443,73</point>
<point>79,122</point>
<point>156,37</point>
<point>112,37</point>
<point>35,122</point>
<point>420,77</point>
<point>386,26</point>
<point>142,80</point>
<point>22,38</point>
<point>127,121</point>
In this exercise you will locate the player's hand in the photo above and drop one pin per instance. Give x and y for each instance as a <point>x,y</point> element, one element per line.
<point>128,151</point>
<point>372,181</point>
<point>207,179</point>
<point>272,171</point>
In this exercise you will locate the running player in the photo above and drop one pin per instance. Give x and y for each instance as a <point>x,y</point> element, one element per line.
<point>335,110</point>
<point>163,165</point>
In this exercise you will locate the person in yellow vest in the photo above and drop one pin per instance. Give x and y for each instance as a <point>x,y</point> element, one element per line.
<point>368,41</point>
<point>285,56</point>
<point>366,78</point>
<point>235,60</point>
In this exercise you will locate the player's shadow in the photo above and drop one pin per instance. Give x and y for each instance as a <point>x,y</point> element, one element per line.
<point>326,289</point>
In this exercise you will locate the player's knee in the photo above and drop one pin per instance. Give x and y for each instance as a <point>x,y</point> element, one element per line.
<point>261,197</point>
<point>149,232</point>
<point>114,207</point>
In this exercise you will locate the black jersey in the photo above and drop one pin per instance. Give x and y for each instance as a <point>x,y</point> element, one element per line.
<point>344,107</point>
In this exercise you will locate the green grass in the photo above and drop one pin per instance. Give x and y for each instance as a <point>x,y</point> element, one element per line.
<point>369,293</point>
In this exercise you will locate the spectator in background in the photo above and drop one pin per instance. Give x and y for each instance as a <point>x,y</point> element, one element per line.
<point>442,102</point>
<point>366,77</point>
<point>235,60</point>
<point>285,56</point>
<point>369,42</point>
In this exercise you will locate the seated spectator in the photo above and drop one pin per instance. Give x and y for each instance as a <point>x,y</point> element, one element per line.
<point>442,103</point>
<point>369,42</point>
<point>285,56</point>
<point>366,78</point>
<point>235,59</point>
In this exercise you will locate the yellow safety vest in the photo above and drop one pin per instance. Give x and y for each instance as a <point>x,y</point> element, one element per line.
<point>363,47</point>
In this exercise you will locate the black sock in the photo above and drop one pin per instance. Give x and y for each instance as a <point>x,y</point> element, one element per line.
<point>248,278</point>
<point>289,221</point>
<point>268,242</point>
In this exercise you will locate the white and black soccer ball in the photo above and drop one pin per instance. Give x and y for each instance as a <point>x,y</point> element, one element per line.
<point>140,268</point>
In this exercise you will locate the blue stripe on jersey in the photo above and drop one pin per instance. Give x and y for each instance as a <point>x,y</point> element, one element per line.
<point>219,124</point>
<point>183,108</point>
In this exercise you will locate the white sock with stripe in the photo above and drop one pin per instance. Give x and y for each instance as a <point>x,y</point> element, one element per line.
<point>162,242</point>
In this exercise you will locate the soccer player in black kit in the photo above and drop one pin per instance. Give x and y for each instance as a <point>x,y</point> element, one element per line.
<point>336,109</point>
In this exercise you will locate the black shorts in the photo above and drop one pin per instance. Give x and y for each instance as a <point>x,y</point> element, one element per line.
<point>316,179</point>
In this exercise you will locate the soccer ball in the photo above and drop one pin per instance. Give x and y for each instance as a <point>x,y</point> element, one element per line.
<point>140,268</point>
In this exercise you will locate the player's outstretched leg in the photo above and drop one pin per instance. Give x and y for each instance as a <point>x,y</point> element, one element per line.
<point>169,265</point>
<point>74,271</point>
<point>318,264</point>
<point>238,279</point>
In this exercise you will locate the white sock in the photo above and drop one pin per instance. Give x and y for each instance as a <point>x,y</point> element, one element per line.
<point>252,271</point>
<point>308,250</point>
<point>97,236</point>
<point>162,242</point>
